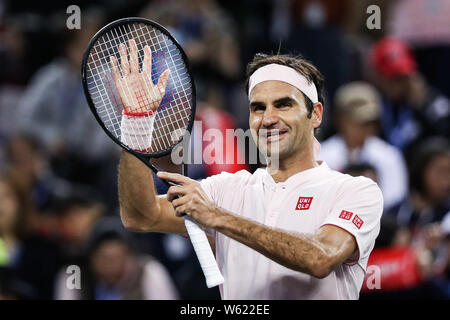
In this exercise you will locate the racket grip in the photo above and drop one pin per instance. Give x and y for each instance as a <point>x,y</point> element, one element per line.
<point>204,253</point>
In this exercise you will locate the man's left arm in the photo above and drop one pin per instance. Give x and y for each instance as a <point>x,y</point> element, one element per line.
<point>317,255</point>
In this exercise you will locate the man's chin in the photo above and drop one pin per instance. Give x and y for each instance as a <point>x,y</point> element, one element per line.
<point>273,151</point>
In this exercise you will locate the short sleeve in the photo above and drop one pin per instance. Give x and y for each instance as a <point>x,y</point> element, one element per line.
<point>358,209</point>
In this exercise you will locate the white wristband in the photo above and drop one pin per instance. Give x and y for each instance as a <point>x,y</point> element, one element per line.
<point>136,131</point>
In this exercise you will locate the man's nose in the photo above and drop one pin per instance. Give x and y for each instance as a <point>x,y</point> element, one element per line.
<point>270,117</point>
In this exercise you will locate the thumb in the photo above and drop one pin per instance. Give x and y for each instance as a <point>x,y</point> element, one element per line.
<point>162,81</point>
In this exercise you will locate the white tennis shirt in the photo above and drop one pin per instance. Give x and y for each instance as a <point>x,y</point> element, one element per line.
<point>303,203</point>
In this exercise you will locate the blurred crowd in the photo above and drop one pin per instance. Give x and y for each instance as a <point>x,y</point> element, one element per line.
<point>386,116</point>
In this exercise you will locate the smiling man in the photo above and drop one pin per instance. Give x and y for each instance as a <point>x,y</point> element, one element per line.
<point>294,230</point>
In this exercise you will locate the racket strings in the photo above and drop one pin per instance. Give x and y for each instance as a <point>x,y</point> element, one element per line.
<point>174,112</point>
<point>150,90</point>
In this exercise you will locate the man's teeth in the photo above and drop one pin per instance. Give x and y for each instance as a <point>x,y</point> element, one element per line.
<point>271,134</point>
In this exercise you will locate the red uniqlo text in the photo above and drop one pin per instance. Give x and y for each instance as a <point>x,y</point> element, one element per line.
<point>303,203</point>
<point>346,215</point>
<point>357,221</point>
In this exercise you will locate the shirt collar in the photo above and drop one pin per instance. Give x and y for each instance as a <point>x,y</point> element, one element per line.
<point>299,177</point>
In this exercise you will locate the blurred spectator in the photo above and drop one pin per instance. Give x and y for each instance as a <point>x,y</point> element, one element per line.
<point>216,120</point>
<point>33,260</point>
<point>13,77</point>
<point>28,170</point>
<point>205,31</point>
<point>12,51</point>
<point>316,31</point>
<point>76,215</point>
<point>114,270</point>
<point>412,109</point>
<point>357,112</point>
<point>429,197</point>
<point>55,110</point>
<point>425,25</point>
<point>208,34</point>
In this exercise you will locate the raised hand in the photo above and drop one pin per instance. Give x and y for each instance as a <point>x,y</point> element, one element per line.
<point>138,93</point>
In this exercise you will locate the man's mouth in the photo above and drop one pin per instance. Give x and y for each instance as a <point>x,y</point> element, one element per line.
<point>273,135</point>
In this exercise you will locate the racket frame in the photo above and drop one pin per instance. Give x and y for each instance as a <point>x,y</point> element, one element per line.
<point>144,157</point>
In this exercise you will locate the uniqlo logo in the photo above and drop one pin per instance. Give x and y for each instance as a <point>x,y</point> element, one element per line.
<point>357,221</point>
<point>303,203</point>
<point>346,215</point>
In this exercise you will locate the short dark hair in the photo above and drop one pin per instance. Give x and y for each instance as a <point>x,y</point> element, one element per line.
<point>424,152</point>
<point>299,64</point>
<point>358,169</point>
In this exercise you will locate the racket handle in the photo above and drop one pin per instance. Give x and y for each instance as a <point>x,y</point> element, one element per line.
<point>204,253</point>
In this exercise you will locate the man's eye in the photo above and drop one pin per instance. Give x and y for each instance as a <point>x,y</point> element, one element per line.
<point>284,105</point>
<point>258,108</point>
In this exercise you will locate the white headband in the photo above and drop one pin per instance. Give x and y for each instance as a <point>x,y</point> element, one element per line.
<point>286,74</point>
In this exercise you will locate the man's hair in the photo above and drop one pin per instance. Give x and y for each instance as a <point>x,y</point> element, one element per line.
<point>299,64</point>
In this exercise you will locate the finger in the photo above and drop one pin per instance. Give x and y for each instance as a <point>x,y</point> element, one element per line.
<point>162,82</point>
<point>124,65</point>
<point>175,177</point>
<point>181,211</point>
<point>175,192</point>
<point>134,62</point>
<point>180,201</point>
<point>115,68</point>
<point>147,64</point>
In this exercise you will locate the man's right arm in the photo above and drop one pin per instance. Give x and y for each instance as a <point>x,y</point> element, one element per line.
<point>141,209</point>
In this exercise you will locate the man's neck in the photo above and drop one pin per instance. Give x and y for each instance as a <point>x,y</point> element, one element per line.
<point>290,166</point>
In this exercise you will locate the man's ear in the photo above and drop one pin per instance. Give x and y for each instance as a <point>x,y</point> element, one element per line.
<point>317,115</point>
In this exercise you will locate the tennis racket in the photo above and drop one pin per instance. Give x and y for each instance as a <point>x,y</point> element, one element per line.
<point>138,86</point>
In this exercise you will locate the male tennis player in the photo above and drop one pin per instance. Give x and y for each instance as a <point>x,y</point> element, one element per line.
<point>296,231</point>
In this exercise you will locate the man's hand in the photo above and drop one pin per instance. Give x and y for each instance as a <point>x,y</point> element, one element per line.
<point>138,93</point>
<point>189,198</point>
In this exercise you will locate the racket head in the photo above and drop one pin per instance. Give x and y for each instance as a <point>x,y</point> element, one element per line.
<point>174,116</point>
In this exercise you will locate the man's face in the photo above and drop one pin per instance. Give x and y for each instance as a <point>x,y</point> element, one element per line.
<point>279,119</point>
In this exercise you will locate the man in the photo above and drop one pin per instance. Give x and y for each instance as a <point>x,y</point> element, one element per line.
<point>294,230</point>
<point>412,109</point>
<point>357,115</point>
